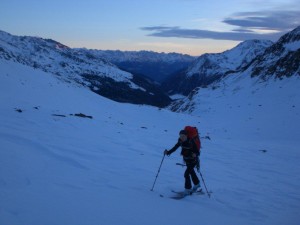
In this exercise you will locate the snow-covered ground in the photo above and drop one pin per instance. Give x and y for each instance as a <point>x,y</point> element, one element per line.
<point>57,170</point>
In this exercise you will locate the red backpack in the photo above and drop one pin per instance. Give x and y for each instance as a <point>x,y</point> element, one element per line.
<point>192,133</point>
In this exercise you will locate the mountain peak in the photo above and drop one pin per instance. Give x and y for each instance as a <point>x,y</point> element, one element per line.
<point>292,36</point>
<point>281,59</point>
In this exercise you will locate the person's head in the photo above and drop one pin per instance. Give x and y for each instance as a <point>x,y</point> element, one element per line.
<point>183,135</point>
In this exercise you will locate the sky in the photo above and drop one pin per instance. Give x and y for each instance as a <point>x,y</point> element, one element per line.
<point>191,27</point>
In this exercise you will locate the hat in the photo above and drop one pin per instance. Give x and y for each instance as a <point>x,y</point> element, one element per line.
<point>183,132</point>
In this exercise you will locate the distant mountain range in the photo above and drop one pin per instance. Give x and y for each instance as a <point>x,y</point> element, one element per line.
<point>156,66</point>
<point>135,76</point>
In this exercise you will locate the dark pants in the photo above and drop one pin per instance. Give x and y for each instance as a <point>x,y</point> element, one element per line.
<point>190,173</point>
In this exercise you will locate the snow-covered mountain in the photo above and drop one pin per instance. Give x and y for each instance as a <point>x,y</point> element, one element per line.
<point>280,60</point>
<point>81,68</point>
<point>211,67</point>
<point>69,156</point>
<point>157,66</point>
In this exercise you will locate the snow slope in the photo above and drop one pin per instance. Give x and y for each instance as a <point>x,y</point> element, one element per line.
<point>57,170</point>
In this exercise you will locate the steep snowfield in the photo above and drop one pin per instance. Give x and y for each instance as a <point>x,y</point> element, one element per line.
<point>82,171</point>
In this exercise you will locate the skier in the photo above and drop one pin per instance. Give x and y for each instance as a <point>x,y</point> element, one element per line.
<point>190,155</point>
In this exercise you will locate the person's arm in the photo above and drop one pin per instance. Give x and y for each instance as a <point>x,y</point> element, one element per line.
<point>176,146</point>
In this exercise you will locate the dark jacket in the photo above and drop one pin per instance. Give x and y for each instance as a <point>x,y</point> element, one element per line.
<point>188,147</point>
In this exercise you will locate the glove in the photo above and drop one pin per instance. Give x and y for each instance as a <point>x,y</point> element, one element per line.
<point>166,152</point>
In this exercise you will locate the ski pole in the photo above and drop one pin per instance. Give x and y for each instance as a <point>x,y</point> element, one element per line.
<point>204,184</point>
<point>158,172</point>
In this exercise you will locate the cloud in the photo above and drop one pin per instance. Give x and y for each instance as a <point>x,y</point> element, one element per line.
<point>266,20</point>
<point>159,28</point>
<point>237,35</point>
<point>268,25</point>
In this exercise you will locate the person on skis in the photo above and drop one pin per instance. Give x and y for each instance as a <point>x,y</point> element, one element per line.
<point>190,156</point>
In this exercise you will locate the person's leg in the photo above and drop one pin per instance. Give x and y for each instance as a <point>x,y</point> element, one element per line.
<point>188,183</point>
<point>194,176</point>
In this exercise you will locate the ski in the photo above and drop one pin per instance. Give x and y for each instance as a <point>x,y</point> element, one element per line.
<point>177,197</point>
<point>181,194</point>
<point>200,191</point>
